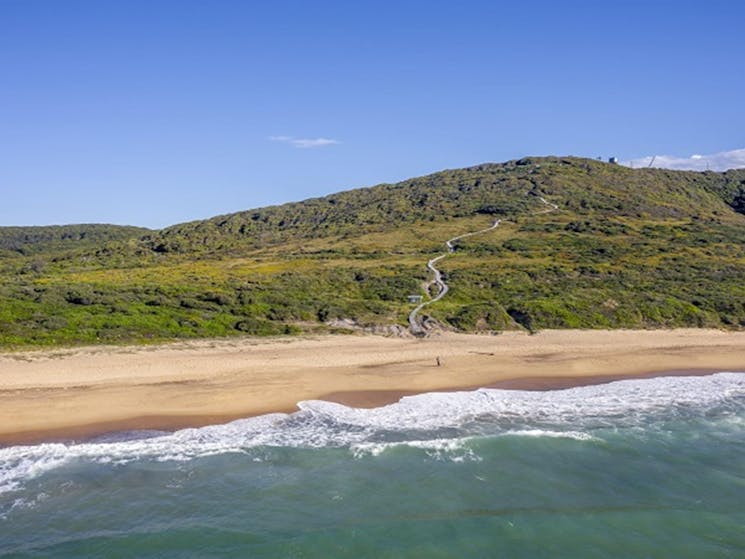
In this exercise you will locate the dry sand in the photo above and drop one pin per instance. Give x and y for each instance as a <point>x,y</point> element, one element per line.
<point>78,393</point>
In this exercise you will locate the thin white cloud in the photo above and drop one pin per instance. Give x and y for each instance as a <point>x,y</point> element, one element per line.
<point>304,143</point>
<point>721,161</point>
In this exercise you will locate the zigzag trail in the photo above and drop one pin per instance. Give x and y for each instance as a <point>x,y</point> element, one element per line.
<point>414,325</point>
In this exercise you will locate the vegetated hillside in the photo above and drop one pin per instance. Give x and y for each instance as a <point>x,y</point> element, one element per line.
<point>627,248</point>
<point>57,238</point>
<point>584,186</point>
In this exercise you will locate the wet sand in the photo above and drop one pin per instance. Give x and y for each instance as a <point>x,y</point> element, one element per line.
<point>74,394</point>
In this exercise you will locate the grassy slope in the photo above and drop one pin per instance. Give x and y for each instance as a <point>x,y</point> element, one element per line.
<point>628,248</point>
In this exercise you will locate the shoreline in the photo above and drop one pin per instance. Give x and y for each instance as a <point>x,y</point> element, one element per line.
<point>377,398</point>
<point>367,399</point>
<point>80,394</point>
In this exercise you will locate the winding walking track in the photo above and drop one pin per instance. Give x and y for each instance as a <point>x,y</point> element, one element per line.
<point>417,328</point>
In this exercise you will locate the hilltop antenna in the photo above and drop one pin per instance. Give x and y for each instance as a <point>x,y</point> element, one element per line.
<point>650,163</point>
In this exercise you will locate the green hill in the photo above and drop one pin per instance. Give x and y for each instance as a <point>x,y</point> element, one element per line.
<point>585,186</point>
<point>627,248</point>
<point>57,238</point>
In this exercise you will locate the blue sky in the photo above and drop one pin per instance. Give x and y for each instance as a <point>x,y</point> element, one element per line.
<point>157,112</point>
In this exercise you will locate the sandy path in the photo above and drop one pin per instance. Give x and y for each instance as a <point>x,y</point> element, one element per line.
<point>443,288</point>
<point>81,392</point>
<point>415,326</point>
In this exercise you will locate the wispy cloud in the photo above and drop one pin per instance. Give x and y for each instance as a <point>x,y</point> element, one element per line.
<point>304,143</point>
<point>721,161</point>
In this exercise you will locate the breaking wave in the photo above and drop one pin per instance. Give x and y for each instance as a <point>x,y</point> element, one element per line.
<point>440,424</point>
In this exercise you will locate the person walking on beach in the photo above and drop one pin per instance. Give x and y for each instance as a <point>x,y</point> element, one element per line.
<point>438,361</point>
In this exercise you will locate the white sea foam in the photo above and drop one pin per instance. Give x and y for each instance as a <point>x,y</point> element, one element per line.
<point>456,450</point>
<point>595,405</point>
<point>576,435</point>
<point>436,422</point>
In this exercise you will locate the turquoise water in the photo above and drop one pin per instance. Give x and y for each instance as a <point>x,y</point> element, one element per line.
<point>642,468</point>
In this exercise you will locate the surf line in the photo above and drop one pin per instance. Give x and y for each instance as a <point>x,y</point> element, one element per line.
<point>417,327</point>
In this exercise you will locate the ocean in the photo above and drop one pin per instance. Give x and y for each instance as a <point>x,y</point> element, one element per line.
<point>634,468</point>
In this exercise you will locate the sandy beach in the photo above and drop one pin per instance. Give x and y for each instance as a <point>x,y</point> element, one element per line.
<point>77,393</point>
